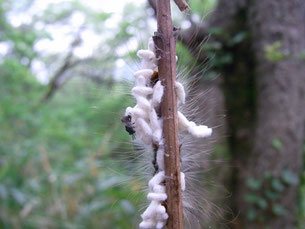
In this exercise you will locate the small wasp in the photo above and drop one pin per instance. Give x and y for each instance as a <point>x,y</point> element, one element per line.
<point>128,125</point>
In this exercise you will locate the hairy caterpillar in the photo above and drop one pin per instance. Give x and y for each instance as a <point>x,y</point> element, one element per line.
<point>148,130</point>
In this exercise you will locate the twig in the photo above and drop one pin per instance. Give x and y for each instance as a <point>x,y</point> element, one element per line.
<point>182,4</point>
<point>54,84</point>
<point>166,51</point>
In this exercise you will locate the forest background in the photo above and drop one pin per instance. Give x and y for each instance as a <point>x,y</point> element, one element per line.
<point>65,74</point>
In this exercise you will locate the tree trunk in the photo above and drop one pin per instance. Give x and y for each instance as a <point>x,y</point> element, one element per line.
<point>279,128</point>
<point>264,96</point>
<point>264,89</point>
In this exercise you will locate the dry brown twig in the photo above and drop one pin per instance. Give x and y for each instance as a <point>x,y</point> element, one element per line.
<point>182,5</point>
<point>166,51</point>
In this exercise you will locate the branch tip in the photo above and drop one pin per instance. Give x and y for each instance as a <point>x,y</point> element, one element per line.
<point>182,5</point>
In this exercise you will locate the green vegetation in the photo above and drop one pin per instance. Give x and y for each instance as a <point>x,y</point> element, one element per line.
<point>63,160</point>
<point>273,52</point>
<point>57,168</point>
<point>263,195</point>
<point>60,161</point>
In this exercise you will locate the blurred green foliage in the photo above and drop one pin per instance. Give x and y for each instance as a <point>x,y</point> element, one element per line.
<point>263,195</point>
<point>60,161</point>
<point>57,159</point>
<point>56,162</point>
<point>273,52</point>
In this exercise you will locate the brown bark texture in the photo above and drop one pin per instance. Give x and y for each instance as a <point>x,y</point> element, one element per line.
<point>264,100</point>
<point>280,87</point>
<point>166,51</point>
<point>265,104</point>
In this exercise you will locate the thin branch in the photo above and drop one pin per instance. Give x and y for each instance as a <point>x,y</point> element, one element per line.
<point>166,51</point>
<point>67,64</point>
<point>182,5</point>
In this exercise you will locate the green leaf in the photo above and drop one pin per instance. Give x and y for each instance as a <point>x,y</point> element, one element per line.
<point>279,210</point>
<point>213,46</point>
<point>251,198</point>
<point>253,184</point>
<point>216,31</point>
<point>271,195</point>
<point>251,214</point>
<point>277,185</point>
<point>277,144</point>
<point>260,202</point>
<point>273,52</point>
<point>267,175</point>
<point>225,59</point>
<point>289,177</point>
<point>237,38</point>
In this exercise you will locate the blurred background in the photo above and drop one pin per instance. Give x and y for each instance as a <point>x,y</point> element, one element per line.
<point>66,69</point>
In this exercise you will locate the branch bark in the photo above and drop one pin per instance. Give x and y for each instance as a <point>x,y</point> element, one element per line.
<point>67,64</point>
<point>182,4</point>
<point>280,103</point>
<point>166,51</point>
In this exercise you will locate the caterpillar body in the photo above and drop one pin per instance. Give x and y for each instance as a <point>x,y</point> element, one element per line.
<point>144,122</point>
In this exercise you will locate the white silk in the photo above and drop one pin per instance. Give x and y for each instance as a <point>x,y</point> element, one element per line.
<point>148,127</point>
<point>199,131</point>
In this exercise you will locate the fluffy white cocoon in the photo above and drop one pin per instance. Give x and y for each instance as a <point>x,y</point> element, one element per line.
<point>157,94</point>
<point>160,158</point>
<point>144,72</point>
<point>200,131</point>
<point>180,92</point>
<point>148,127</point>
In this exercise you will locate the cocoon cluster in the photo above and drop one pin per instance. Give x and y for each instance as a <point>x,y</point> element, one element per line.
<point>148,130</point>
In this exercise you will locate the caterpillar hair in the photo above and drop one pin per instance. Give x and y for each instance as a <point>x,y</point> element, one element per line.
<point>145,124</point>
